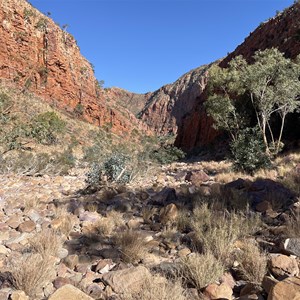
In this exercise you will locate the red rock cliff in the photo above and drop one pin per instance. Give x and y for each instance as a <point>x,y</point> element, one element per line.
<point>42,58</point>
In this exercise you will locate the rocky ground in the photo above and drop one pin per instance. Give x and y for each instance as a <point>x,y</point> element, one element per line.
<point>61,239</point>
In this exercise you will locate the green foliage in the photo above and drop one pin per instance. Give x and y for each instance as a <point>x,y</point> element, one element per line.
<point>28,13</point>
<point>166,154</point>
<point>12,139</point>
<point>41,24</point>
<point>79,109</point>
<point>115,168</point>
<point>248,151</point>
<point>5,105</point>
<point>272,86</point>
<point>46,127</point>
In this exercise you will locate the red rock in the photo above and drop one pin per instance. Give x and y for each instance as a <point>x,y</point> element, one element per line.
<point>214,291</point>
<point>288,289</point>
<point>281,265</point>
<point>60,281</point>
<point>47,61</point>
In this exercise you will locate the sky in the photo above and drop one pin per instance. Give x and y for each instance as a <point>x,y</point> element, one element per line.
<point>140,45</point>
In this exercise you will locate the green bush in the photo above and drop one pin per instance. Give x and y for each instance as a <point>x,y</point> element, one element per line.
<point>46,127</point>
<point>115,168</point>
<point>167,154</point>
<point>249,152</point>
<point>5,105</point>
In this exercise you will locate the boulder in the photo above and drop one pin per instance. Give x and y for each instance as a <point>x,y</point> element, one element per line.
<point>18,295</point>
<point>27,226</point>
<point>288,289</point>
<point>69,292</point>
<point>168,214</point>
<point>292,246</point>
<point>197,177</point>
<point>214,291</point>
<point>283,265</point>
<point>164,197</point>
<point>127,280</point>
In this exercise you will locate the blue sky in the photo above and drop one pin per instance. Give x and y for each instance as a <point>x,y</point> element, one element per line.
<point>140,45</point>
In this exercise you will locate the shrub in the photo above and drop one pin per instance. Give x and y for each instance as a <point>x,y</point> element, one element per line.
<point>158,288</point>
<point>200,270</point>
<point>115,168</point>
<point>46,127</point>
<point>249,152</point>
<point>216,231</point>
<point>47,242</point>
<point>131,245</point>
<point>32,272</point>
<point>5,105</point>
<point>252,263</point>
<point>167,154</point>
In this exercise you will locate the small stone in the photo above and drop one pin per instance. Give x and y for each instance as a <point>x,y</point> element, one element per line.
<point>60,281</point>
<point>71,261</point>
<point>197,177</point>
<point>228,279</point>
<point>49,289</point>
<point>222,291</point>
<point>134,223</point>
<point>19,295</point>
<point>263,206</point>
<point>27,226</point>
<point>268,283</point>
<point>14,221</point>
<point>4,250</point>
<point>168,214</point>
<point>184,252</point>
<point>69,292</point>
<point>62,253</point>
<point>95,291</point>
<point>104,266</point>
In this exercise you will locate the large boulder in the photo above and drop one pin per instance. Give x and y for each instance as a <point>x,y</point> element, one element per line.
<point>283,265</point>
<point>69,292</point>
<point>254,193</point>
<point>127,280</point>
<point>288,289</point>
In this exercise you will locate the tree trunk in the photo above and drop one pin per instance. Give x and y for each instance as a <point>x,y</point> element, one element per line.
<point>281,131</point>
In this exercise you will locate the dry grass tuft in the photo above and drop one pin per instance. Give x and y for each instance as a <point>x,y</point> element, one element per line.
<point>131,244</point>
<point>104,226</point>
<point>200,270</point>
<point>30,273</point>
<point>158,288</point>
<point>252,263</point>
<point>216,231</point>
<point>46,243</point>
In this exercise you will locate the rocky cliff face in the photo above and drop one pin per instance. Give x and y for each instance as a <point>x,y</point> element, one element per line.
<point>42,58</point>
<point>166,107</point>
<point>282,32</point>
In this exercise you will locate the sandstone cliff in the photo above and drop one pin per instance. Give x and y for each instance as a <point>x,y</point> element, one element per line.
<point>166,107</point>
<point>42,58</point>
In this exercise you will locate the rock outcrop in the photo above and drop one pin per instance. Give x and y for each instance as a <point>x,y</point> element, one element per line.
<point>42,58</point>
<point>166,107</point>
